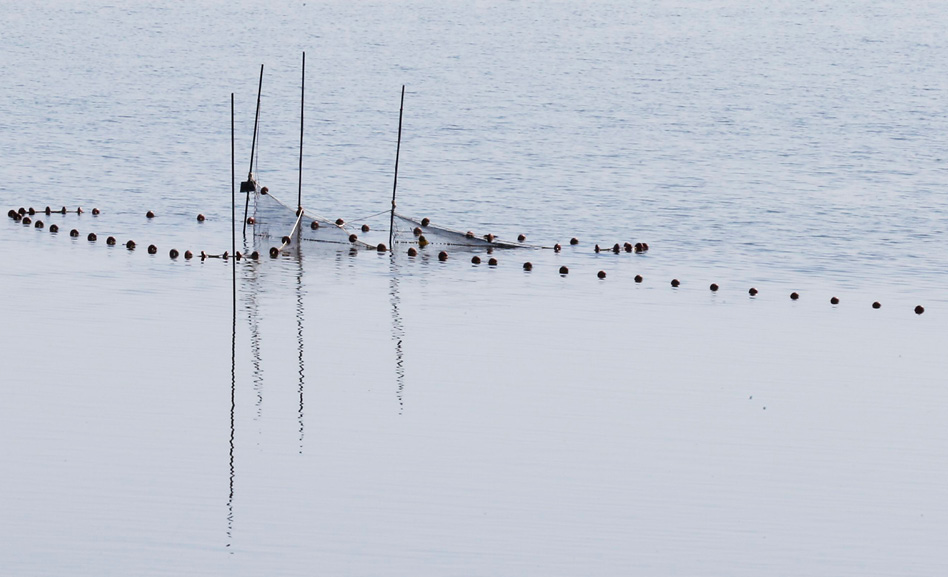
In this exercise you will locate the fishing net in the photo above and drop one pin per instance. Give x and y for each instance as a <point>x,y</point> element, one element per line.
<point>421,231</point>
<point>276,220</point>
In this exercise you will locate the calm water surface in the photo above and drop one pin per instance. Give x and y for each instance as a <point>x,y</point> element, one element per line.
<point>368,414</point>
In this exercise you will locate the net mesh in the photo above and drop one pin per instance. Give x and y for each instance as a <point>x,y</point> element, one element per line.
<point>274,219</point>
<point>421,231</point>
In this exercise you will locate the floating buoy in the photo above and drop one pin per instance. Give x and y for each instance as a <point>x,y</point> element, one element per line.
<point>92,237</point>
<point>95,211</point>
<point>130,245</point>
<point>834,301</point>
<point>39,224</point>
<point>574,240</point>
<point>238,256</point>
<point>489,237</point>
<point>616,248</point>
<point>314,225</point>
<point>203,255</point>
<point>53,228</point>
<point>110,241</point>
<point>919,309</point>
<point>644,246</point>
<point>200,218</point>
<point>188,255</point>
<point>597,249</point>
<point>675,282</point>
<point>638,278</point>
<point>274,252</point>
<point>442,256</point>
<point>417,231</point>
<point>286,240</point>
<point>27,220</point>
<point>639,247</point>
<point>173,253</point>
<point>224,256</point>
<point>32,212</point>
<point>521,237</point>
<point>476,259</point>
<point>564,270</point>
<point>149,214</point>
<point>752,292</point>
<point>557,247</point>
<point>264,190</point>
<point>422,241</point>
<point>528,266</point>
<point>601,274</point>
<point>152,249</point>
<point>794,296</point>
<point>79,210</point>
<point>381,247</point>
<point>250,220</point>
<point>492,262</point>
<point>714,287</point>
<point>21,211</point>
<point>365,227</point>
<point>48,211</point>
<point>412,251</point>
<point>877,305</point>
<point>340,222</point>
<point>469,234</point>
<point>12,214</point>
<point>299,211</point>
<point>17,218</point>
<point>74,233</point>
<point>425,222</point>
<point>255,255</point>
<point>353,238</point>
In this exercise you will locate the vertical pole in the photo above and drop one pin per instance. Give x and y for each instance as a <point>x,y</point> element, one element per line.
<point>398,148</point>
<point>299,197</point>
<point>233,202</point>
<point>253,146</point>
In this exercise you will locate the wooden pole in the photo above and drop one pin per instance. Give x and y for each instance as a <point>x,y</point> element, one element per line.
<point>398,148</point>
<point>253,146</point>
<point>233,202</point>
<point>299,199</point>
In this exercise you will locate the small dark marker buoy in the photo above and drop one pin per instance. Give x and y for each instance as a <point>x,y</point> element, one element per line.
<point>919,309</point>
<point>92,237</point>
<point>492,262</point>
<point>469,234</point>
<point>188,255</point>
<point>110,241</point>
<point>39,224</point>
<point>422,241</point>
<point>173,253</point>
<point>365,227</point>
<point>644,246</point>
<point>152,249</point>
<point>238,255</point>
<point>416,231</point>
<point>203,256</point>
<point>574,240</point>
<point>149,214</point>
<point>353,238</point>
<point>675,282</point>
<point>21,211</point>
<point>264,190</point>
<point>425,222</point>
<point>557,247</point>
<point>274,252</point>
<point>528,266</point>
<point>381,247</point>
<point>53,228</point>
<point>752,292</point>
<point>597,249</point>
<point>714,287</point>
<point>616,248</point>
<point>834,301</point>
<point>250,220</point>
<point>79,210</point>
<point>200,218</point>
<point>95,211</point>
<point>601,274</point>
<point>794,296</point>
<point>286,240</point>
<point>12,214</point>
<point>412,251</point>
<point>340,222</point>
<point>224,256</point>
<point>32,211</point>
<point>130,245</point>
<point>442,256</point>
<point>255,255</point>
<point>73,233</point>
<point>628,247</point>
<point>314,225</point>
<point>27,220</point>
<point>638,278</point>
<point>521,237</point>
<point>564,270</point>
<point>476,259</point>
<point>489,237</point>
<point>877,305</point>
<point>48,211</point>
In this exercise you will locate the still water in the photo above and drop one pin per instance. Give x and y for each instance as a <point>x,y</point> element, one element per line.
<point>374,414</point>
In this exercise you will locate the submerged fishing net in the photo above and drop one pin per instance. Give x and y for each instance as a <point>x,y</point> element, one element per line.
<point>423,232</point>
<point>276,220</point>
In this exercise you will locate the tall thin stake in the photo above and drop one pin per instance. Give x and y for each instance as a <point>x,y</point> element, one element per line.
<point>233,202</point>
<point>299,200</point>
<point>253,146</point>
<point>398,148</point>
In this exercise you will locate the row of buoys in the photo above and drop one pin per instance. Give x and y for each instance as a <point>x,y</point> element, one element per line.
<point>637,248</point>
<point>21,212</point>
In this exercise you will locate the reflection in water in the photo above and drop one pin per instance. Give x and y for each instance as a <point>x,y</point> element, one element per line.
<point>398,333</point>
<point>299,334</point>
<point>252,308</point>
<point>233,404</point>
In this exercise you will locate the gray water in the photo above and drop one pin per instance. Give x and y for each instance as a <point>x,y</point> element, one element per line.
<point>368,414</point>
